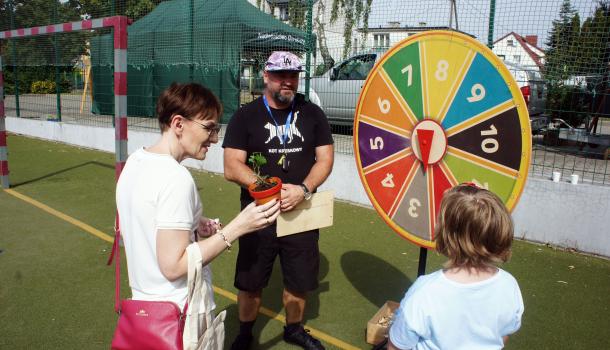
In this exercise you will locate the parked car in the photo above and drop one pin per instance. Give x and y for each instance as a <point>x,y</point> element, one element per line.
<point>337,91</point>
<point>532,87</point>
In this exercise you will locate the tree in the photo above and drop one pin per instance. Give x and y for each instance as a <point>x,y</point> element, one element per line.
<point>560,65</point>
<point>297,13</point>
<point>559,59</point>
<point>595,41</point>
<point>577,51</point>
<point>594,59</point>
<point>321,34</point>
<point>134,9</point>
<point>574,44</point>
<point>355,12</point>
<point>42,57</point>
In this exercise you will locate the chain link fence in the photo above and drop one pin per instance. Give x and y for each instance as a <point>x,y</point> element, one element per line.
<point>557,50</point>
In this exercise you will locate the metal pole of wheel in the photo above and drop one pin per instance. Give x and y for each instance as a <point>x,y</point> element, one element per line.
<point>423,255</point>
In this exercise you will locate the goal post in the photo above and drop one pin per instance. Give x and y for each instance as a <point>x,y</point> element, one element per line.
<point>3,149</point>
<point>119,24</point>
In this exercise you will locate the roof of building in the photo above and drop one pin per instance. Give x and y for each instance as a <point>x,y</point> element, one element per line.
<point>526,46</point>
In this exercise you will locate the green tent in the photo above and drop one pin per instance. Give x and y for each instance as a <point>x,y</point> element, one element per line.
<point>163,49</point>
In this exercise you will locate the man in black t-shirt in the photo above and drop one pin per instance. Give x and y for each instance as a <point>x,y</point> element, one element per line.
<point>295,137</point>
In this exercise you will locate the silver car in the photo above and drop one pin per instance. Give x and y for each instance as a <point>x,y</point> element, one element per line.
<point>337,91</point>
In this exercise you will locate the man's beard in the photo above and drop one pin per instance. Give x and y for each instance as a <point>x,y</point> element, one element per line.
<point>283,99</point>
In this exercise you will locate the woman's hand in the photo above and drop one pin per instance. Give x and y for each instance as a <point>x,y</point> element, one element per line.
<point>250,219</point>
<point>208,227</point>
<point>255,217</point>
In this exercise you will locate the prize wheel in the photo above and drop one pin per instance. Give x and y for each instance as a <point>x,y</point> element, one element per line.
<point>437,110</point>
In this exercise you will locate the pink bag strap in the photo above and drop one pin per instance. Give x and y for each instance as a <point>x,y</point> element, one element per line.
<point>116,251</point>
<point>116,254</point>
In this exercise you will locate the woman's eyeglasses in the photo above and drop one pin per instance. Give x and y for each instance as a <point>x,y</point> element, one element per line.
<point>212,130</point>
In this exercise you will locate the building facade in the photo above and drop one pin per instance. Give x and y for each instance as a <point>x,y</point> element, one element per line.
<point>518,50</point>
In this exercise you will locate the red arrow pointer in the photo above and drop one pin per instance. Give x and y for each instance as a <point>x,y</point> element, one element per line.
<point>425,137</point>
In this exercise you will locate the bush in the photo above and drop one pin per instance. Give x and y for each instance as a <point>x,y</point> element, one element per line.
<point>43,87</point>
<point>28,75</point>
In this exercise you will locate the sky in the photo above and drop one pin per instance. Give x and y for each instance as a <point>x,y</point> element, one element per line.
<point>525,17</point>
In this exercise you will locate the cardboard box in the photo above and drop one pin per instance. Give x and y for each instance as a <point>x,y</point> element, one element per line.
<point>377,331</point>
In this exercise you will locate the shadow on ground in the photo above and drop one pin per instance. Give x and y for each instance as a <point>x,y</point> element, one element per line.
<point>61,171</point>
<point>374,278</point>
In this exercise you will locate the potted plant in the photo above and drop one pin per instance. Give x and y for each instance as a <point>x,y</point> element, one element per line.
<point>265,188</point>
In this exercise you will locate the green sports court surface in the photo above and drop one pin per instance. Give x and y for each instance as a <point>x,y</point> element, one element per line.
<point>57,292</point>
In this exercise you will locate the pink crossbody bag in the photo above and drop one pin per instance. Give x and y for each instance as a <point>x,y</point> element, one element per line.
<point>143,324</point>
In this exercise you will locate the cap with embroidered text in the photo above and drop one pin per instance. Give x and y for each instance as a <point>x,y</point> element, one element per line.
<point>283,61</point>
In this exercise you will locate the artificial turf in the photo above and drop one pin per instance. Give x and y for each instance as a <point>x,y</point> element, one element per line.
<point>57,292</point>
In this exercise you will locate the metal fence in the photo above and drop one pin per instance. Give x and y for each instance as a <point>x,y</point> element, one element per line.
<point>557,50</point>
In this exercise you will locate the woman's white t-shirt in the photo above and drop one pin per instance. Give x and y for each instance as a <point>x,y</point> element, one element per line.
<point>155,192</point>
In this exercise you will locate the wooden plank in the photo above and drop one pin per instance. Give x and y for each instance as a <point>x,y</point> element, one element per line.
<point>308,215</point>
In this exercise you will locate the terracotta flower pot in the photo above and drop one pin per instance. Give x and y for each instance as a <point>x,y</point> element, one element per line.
<point>262,197</point>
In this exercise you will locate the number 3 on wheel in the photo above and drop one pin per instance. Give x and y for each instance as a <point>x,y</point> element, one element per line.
<point>437,110</point>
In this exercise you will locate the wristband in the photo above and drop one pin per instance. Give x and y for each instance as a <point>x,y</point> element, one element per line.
<point>224,238</point>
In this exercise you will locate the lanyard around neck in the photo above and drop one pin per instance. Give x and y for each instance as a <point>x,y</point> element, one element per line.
<point>288,120</point>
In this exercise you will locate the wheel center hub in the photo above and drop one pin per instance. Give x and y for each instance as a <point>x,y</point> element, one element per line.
<point>429,142</point>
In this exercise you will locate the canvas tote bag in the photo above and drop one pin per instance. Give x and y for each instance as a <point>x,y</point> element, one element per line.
<point>202,330</point>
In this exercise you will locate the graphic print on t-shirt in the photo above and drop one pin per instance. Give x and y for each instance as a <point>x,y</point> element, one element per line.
<point>280,130</point>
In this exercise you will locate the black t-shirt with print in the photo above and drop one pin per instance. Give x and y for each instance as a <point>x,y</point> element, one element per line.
<point>253,130</point>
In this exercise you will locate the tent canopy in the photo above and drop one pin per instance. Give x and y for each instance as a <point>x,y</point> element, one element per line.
<point>189,40</point>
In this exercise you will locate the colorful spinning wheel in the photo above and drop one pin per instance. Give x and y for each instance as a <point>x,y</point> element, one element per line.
<point>437,110</point>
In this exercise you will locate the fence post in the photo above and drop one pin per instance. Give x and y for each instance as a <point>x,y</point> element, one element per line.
<point>308,47</point>
<point>490,31</point>
<point>3,149</point>
<point>191,32</point>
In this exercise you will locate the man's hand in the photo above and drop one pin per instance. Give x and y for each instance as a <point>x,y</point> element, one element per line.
<point>291,196</point>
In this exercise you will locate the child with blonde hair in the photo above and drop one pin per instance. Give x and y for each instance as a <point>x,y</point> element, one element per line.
<point>470,304</point>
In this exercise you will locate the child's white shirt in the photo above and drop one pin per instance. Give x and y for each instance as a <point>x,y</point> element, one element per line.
<point>438,313</point>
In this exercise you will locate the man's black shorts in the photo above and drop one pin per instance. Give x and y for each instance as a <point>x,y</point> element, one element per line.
<point>299,258</point>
